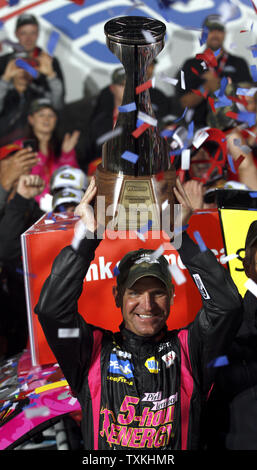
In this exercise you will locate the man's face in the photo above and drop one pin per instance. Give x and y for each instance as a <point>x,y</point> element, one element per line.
<point>27,36</point>
<point>215,39</point>
<point>251,265</point>
<point>146,306</point>
<point>200,163</point>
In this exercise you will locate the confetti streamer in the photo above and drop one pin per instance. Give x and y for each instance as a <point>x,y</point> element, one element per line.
<point>251,286</point>
<point>143,87</point>
<point>130,156</point>
<point>24,65</point>
<point>218,362</point>
<point>137,132</point>
<point>177,274</point>
<point>127,108</point>
<point>52,42</point>
<point>68,332</point>
<point>109,135</point>
<point>200,241</point>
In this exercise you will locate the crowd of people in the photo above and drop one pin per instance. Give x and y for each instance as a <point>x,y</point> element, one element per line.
<point>51,148</point>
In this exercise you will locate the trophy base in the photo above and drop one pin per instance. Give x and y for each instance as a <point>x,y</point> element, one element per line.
<point>126,202</point>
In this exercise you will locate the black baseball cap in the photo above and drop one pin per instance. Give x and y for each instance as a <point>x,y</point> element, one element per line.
<point>24,19</point>
<point>140,263</point>
<point>251,236</point>
<point>213,22</point>
<point>41,103</point>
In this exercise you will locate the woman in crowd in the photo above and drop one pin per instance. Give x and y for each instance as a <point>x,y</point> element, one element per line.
<point>52,153</point>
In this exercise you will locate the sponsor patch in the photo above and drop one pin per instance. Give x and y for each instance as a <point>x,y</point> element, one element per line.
<point>120,367</point>
<point>201,287</point>
<point>152,365</point>
<point>169,358</point>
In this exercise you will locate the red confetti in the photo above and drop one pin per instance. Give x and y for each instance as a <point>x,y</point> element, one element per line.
<point>143,87</point>
<point>194,71</point>
<point>238,161</point>
<point>244,31</point>
<point>231,114</point>
<point>181,174</point>
<point>172,158</point>
<point>253,4</point>
<point>211,101</point>
<point>78,2</point>
<point>137,132</point>
<point>159,176</point>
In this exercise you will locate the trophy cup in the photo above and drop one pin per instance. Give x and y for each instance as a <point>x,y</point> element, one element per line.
<point>135,192</point>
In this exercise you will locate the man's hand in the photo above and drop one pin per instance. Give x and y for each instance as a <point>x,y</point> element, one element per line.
<point>84,210</point>
<point>11,70</point>
<point>45,65</point>
<point>20,163</point>
<point>30,186</point>
<point>70,141</point>
<point>186,207</point>
<point>211,81</point>
<point>194,191</point>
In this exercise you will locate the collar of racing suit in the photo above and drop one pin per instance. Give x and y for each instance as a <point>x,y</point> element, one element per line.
<point>137,341</point>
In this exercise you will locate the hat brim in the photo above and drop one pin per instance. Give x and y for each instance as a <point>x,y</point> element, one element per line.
<point>146,272</point>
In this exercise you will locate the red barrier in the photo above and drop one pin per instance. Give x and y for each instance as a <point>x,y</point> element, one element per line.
<point>43,242</point>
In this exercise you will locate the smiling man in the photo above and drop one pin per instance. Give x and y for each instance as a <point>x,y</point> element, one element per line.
<point>143,387</point>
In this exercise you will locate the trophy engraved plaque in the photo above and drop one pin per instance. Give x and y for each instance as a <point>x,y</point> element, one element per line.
<point>135,191</point>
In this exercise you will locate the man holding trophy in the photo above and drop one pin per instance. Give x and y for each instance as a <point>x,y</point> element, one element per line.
<point>143,387</point>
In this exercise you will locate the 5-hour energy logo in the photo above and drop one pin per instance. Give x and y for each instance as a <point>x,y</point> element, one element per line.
<point>151,429</point>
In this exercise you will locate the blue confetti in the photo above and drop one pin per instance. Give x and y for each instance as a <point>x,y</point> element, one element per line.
<point>253,72</point>
<point>219,362</point>
<point>204,36</point>
<point>130,156</point>
<point>254,50</point>
<point>13,2</point>
<point>244,116</point>
<point>52,42</point>
<point>231,163</point>
<point>116,271</point>
<point>127,108</point>
<point>200,241</point>
<point>222,101</point>
<point>223,85</point>
<point>24,65</point>
<point>181,117</point>
<point>190,133</point>
<point>146,227</point>
<point>167,133</point>
<point>216,53</point>
<point>20,271</point>
<point>253,194</point>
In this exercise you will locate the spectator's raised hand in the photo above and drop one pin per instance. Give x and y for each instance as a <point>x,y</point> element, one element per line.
<point>84,210</point>
<point>194,191</point>
<point>11,70</point>
<point>182,198</point>
<point>12,167</point>
<point>70,141</point>
<point>45,65</point>
<point>30,186</point>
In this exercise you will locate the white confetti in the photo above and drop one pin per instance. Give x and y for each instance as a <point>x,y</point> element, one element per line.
<point>185,159</point>
<point>37,411</point>
<point>165,204</point>
<point>148,36</point>
<point>251,286</point>
<point>72,401</point>
<point>199,138</point>
<point>109,135</point>
<point>171,81</point>
<point>141,236</point>
<point>227,258</point>
<point>182,80</point>
<point>80,231</point>
<point>146,118</point>
<point>177,274</point>
<point>157,253</point>
<point>68,332</point>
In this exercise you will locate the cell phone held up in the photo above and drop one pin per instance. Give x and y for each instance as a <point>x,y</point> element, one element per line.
<point>32,143</point>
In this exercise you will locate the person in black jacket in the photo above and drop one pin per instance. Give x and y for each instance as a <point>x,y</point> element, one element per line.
<point>18,87</point>
<point>233,401</point>
<point>143,387</point>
